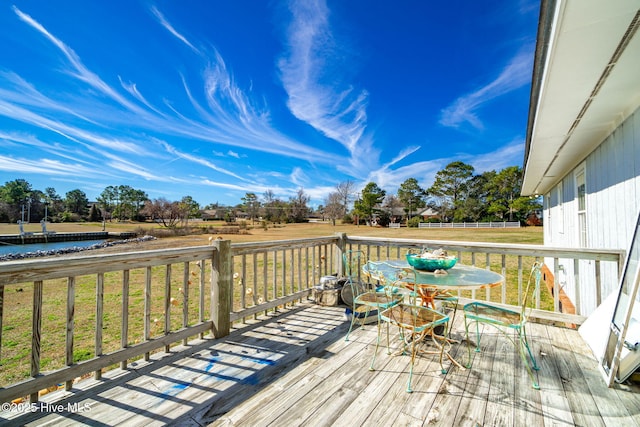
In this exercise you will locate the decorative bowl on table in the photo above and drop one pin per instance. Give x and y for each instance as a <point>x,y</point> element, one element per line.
<point>430,262</point>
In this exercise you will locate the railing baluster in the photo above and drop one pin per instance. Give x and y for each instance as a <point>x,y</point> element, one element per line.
<point>299,252</point>
<point>314,265</point>
<point>332,260</point>
<point>306,267</point>
<point>291,273</point>
<point>254,294</point>
<point>99,320</point>
<point>71,308</point>
<point>202,281</point>
<point>504,274</point>
<point>576,279</point>
<point>124,328</point>
<point>243,275</point>
<point>556,286</point>
<point>520,272</point>
<point>147,308</point>
<point>185,297</point>
<point>487,261</point>
<point>274,277</point>
<point>167,304</point>
<point>473,263</point>
<point>265,280</point>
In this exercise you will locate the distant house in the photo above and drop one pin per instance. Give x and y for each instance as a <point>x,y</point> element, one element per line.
<point>583,137</point>
<point>212,214</point>
<point>429,213</point>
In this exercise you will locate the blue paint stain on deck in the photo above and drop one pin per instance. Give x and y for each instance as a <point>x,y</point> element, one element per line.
<point>252,379</point>
<point>175,389</point>
<point>267,362</point>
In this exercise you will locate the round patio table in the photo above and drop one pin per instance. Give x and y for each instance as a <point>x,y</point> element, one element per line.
<point>431,284</point>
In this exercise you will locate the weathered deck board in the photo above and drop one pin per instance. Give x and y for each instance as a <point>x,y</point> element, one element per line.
<point>296,369</point>
<point>555,406</point>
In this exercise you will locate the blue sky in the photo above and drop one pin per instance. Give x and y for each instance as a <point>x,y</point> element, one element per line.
<point>215,99</point>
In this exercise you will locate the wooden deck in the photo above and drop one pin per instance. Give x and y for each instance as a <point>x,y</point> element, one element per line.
<point>296,369</point>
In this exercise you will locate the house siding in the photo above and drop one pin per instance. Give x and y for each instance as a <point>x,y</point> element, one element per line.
<point>612,175</point>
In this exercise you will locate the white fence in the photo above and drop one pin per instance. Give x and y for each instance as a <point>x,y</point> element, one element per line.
<point>500,224</point>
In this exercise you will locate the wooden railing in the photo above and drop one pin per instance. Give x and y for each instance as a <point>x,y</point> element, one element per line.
<point>142,302</point>
<point>489,224</point>
<point>510,260</point>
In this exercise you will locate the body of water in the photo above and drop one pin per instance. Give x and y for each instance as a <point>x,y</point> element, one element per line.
<point>6,249</point>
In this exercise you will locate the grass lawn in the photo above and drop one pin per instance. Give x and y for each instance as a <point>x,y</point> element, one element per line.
<point>14,354</point>
<point>256,233</point>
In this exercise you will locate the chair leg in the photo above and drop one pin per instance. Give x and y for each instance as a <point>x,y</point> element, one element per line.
<point>524,349</point>
<point>413,358</point>
<point>375,353</point>
<point>534,364</point>
<point>477,337</point>
<point>466,333</point>
<point>353,320</point>
<point>388,343</point>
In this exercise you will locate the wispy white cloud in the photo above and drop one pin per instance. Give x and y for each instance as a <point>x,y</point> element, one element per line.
<point>229,116</point>
<point>506,155</point>
<point>166,24</point>
<point>515,74</point>
<point>78,69</point>
<point>73,133</point>
<point>234,154</point>
<point>132,88</point>
<point>309,63</point>
<point>298,177</point>
<point>196,159</point>
<point>46,167</point>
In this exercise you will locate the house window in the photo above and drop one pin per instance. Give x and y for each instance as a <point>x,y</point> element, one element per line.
<point>581,192</point>
<point>560,207</point>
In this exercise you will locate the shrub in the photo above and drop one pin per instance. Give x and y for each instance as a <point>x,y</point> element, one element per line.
<point>414,222</point>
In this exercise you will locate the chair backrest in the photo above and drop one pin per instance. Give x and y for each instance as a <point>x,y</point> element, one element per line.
<point>353,261</point>
<point>531,291</point>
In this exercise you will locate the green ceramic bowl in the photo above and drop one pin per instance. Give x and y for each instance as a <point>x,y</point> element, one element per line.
<point>431,264</point>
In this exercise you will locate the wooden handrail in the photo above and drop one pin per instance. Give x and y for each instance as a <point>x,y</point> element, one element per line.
<point>224,283</point>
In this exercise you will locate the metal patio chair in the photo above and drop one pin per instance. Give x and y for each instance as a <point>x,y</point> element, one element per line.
<point>416,323</point>
<point>367,299</point>
<point>507,321</point>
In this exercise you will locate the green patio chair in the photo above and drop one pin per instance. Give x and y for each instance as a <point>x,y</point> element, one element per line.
<point>416,323</point>
<point>367,299</point>
<point>510,322</point>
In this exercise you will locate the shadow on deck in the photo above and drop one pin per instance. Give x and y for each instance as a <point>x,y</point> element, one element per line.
<point>296,369</point>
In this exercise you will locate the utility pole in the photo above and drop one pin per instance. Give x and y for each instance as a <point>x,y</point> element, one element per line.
<point>28,210</point>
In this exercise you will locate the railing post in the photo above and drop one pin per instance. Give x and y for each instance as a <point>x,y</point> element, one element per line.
<point>36,334</point>
<point>342,247</point>
<point>221,301</point>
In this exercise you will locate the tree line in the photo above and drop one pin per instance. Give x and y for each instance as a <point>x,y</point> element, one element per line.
<point>457,194</point>
<point>19,201</point>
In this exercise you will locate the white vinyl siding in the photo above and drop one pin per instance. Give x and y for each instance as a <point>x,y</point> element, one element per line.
<point>601,216</point>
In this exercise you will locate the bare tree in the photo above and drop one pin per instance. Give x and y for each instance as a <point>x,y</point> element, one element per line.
<point>163,211</point>
<point>345,191</point>
<point>333,207</point>
<point>391,204</point>
<point>298,210</point>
